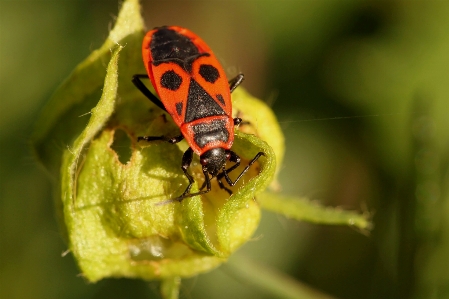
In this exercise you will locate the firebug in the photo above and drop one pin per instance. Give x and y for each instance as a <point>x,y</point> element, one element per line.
<point>193,88</point>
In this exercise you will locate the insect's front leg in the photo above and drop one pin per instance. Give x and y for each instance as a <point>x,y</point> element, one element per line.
<point>186,161</point>
<point>235,158</point>
<point>222,186</point>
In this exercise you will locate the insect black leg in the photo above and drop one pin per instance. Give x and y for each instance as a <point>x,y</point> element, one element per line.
<point>239,121</point>
<point>171,140</point>
<point>236,158</point>
<point>222,186</point>
<point>139,84</point>
<point>233,83</point>
<point>203,185</point>
<point>186,160</point>
<point>233,157</point>
<point>220,183</point>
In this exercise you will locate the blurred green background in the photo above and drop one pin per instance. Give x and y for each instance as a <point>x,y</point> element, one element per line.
<point>361,89</point>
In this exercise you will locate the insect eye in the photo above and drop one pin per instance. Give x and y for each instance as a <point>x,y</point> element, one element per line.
<point>209,73</point>
<point>204,161</point>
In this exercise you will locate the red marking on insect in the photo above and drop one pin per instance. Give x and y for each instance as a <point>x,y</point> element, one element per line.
<point>193,88</point>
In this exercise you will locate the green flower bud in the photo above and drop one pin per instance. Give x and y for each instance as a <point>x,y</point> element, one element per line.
<point>115,212</point>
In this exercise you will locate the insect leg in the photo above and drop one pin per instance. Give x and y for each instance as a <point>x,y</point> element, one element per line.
<point>237,121</point>
<point>186,160</point>
<point>222,186</point>
<point>233,83</point>
<point>220,183</point>
<point>233,158</point>
<point>139,84</point>
<point>236,158</point>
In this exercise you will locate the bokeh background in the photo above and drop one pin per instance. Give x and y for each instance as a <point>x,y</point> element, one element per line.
<point>361,89</point>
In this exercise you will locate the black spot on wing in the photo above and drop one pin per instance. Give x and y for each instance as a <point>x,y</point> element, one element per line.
<point>178,108</point>
<point>200,104</point>
<point>220,98</point>
<point>171,80</point>
<point>209,73</point>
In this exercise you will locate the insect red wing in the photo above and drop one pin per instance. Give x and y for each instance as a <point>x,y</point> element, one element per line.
<point>172,98</point>
<point>218,89</point>
<point>173,95</point>
<point>146,54</point>
<point>208,72</point>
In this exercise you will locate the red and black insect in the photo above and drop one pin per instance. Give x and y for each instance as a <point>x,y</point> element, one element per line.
<point>193,89</point>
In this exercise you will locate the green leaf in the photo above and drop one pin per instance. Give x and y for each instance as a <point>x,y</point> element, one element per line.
<point>65,115</point>
<point>306,210</point>
<point>240,214</point>
<point>262,123</point>
<point>78,223</point>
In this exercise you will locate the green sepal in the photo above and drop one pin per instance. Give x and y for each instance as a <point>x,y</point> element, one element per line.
<point>303,209</point>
